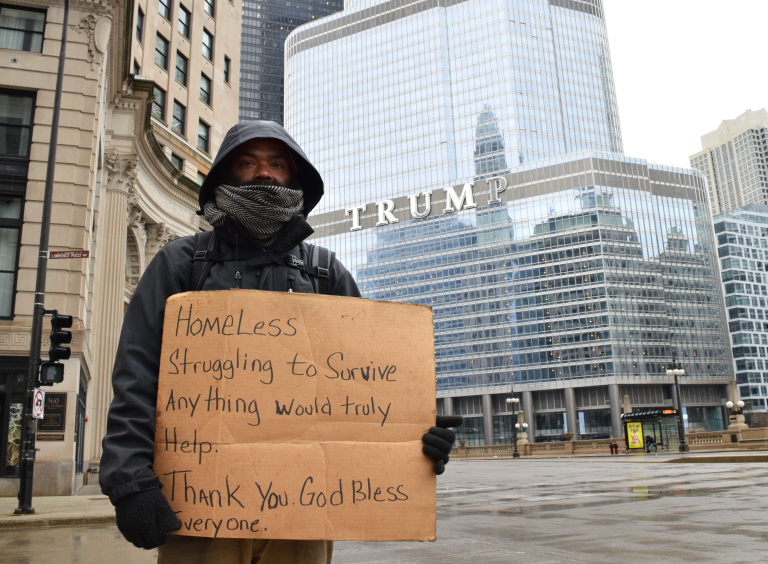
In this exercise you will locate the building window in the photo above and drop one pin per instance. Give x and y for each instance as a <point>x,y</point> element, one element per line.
<point>140,26</point>
<point>177,161</point>
<point>136,67</point>
<point>185,20</point>
<point>10,229</point>
<point>158,104</point>
<point>179,117</point>
<point>210,5</point>
<point>207,45</point>
<point>200,178</point>
<point>205,89</point>
<point>12,386</point>
<point>182,64</point>
<point>227,67</point>
<point>16,110</point>
<point>164,8</point>
<point>21,30</point>
<point>203,137</point>
<point>15,124</point>
<point>161,51</point>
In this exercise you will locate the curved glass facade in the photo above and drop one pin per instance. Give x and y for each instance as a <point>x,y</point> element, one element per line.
<point>472,158</point>
<point>582,270</point>
<point>391,95</point>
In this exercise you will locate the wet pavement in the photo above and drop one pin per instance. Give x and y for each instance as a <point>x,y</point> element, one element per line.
<point>592,510</point>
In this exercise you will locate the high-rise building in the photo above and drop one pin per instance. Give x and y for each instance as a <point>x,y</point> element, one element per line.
<point>266,24</point>
<point>411,78</point>
<point>150,88</point>
<point>742,245</point>
<point>734,159</point>
<point>472,158</point>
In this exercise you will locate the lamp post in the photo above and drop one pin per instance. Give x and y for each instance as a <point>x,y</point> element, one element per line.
<point>514,402</point>
<point>677,370</point>
<point>739,407</point>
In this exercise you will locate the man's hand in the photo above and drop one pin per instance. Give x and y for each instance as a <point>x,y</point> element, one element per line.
<point>438,442</point>
<point>146,519</point>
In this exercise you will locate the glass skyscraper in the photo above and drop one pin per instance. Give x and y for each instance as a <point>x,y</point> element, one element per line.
<point>266,24</point>
<point>472,158</point>
<point>742,245</point>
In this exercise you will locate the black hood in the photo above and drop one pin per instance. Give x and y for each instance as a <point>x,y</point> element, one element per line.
<point>307,176</point>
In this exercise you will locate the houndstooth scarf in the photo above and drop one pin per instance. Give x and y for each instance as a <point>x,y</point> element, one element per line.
<point>261,210</point>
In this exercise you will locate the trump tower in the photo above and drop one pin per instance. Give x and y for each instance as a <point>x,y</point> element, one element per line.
<point>473,161</point>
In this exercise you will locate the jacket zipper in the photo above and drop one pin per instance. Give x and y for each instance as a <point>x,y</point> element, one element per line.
<point>290,283</point>
<point>238,279</point>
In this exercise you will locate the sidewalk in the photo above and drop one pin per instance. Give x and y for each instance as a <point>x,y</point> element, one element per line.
<point>708,456</point>
<point>89,507</point>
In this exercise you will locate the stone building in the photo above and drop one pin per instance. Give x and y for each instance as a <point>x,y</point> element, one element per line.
<point>734,158</point>
<point>141,118</point>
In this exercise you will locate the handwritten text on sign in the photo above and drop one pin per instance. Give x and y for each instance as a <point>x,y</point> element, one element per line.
<point>296,416</point>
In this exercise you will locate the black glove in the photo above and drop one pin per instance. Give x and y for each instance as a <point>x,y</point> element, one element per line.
<point>146,519</point>
<point>438,442</point>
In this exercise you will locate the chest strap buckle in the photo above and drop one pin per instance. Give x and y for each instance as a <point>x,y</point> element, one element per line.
<point>294,262</point>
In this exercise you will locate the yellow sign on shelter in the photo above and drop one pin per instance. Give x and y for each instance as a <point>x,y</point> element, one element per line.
<point>635,434</point>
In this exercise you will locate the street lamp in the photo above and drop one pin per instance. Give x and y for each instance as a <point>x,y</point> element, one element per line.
<point>514,402</point>
<point>677,370</point>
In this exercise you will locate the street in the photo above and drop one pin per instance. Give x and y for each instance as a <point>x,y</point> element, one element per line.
<point>528,511</point>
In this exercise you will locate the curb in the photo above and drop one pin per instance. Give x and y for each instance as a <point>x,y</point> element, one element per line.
<point>749,458</point>
<point>22,522</point>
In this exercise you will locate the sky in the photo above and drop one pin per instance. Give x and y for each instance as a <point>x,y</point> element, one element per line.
<point>683,66</point>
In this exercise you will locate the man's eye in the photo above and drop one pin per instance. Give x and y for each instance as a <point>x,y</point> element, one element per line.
<point>277,165</point>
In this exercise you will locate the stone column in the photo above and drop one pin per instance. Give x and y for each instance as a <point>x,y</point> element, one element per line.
<point>528,410</point>
<point>488,419</point>
<point>108,318</point>
<point>613,396</point>
<point>570,412</point>
<point>448,406</point>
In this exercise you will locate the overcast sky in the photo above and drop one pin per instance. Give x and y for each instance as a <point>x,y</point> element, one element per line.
<point>683,66</point>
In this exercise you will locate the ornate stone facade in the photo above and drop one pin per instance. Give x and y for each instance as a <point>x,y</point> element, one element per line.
<point>116,194</point>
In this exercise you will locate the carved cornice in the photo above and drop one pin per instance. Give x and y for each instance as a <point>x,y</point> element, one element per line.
<point>121,172</point>
<point>158,235</point>
<point>87,26</point>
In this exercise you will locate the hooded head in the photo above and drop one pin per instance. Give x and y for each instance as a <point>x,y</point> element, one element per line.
<point>303,174</point>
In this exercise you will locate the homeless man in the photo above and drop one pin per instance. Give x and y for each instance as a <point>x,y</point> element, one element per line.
<point>257,195</point>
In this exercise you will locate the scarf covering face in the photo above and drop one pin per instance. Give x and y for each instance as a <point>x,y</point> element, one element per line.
<point>261,210</point>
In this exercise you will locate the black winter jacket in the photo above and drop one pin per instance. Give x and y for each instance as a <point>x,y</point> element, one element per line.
<point>129,444</point>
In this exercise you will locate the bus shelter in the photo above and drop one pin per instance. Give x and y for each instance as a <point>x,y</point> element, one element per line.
<point>651,429</point>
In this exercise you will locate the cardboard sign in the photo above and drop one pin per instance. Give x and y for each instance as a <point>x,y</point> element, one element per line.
<point>296,416</point>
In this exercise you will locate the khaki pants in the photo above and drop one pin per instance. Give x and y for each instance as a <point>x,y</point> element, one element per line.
<point>197,550</point>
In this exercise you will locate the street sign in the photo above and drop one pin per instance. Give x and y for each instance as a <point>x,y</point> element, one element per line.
<point>69,254</point>
<point>38,403</point>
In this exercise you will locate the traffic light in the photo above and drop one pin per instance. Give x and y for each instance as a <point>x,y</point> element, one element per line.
<point>60,337</point>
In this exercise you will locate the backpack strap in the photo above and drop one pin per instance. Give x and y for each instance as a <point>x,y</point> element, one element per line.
<point>321,275</point>
<point>201,266</point>
<point>206,254</point>
<point>312,261</point>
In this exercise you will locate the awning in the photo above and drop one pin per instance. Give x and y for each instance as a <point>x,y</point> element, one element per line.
<point>648,413</point>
